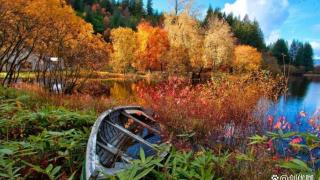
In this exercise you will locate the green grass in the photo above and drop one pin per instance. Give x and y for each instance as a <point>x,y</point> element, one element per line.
<point>44,141</point>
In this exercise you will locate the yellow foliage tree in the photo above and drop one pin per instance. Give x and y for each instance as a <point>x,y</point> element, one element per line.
<point>176,60</point>
<point>185,33</point>
<point>218,43</point>
<point>124,41</point>
<point>246,59</point>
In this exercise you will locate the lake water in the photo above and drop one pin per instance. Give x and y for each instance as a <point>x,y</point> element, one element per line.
<point>299,107</point>
<point>302,99</point>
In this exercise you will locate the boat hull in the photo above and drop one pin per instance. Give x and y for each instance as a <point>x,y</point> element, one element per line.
<point>115,138</point>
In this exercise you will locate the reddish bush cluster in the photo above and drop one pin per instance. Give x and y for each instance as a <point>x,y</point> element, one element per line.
<point>179,106</point>
<point>223,107</point>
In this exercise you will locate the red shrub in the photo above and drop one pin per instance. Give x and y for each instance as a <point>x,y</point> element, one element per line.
<point>223,107</point>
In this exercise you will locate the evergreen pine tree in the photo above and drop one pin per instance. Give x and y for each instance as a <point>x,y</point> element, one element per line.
<point>138,8</point>
<point>246,18</point>
<point>208,16</point>
<point>257,39</point>
<point>149,8</point>
<point>116,20</point>
<point>299,58</point>
<point>281,52</point>
<point>293,52</point>
<point>78,5</point>
<point>107,4</point>
<point>308,56</point>
<point>90,2</point>
<point>230,19</point>
<point>217,13</point>
<point>132,5</point>
<point>95,19</point>
<point>246,31</point>
<point>125,3</point>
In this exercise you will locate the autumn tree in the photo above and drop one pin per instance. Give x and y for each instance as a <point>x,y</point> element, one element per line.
<point>270,63</point>
<point>124,41</point>
<point>246,59</point>
<point>218,43</point>
<point>178,5</point>
<point>211,46</point>
<point>185,33</point>
<point>70,39</point>
<point>46,29</point>
<point>152,45</point>
<point>176,60</point>
<point>19,32</point>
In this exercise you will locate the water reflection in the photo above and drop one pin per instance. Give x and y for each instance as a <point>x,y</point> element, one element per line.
<point>303,95</point>
<point>116,89</point>
<point>121,90</point>
<point>298,87</point>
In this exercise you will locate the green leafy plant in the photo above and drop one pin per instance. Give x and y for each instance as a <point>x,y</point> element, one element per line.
<point>296,166</point>
<point>140,168</point>
<point>50,171</point>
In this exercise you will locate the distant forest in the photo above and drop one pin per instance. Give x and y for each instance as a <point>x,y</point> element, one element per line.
<point>106,15</point>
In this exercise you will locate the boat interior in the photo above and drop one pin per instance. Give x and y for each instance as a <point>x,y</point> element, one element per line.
<point>123,133</point>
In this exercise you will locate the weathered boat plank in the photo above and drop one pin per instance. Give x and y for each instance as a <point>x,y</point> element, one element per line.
<point>138,138</point>
<point>141,123</point>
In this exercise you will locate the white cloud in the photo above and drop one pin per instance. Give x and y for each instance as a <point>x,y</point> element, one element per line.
<point>316,48</point>
<point>273,36</point>
<point>315,44</point>
<point>270,14</point>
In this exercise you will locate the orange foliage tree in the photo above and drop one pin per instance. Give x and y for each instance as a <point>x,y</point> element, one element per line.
<point>153,43</point>
<point>19,32</point>
<point>70,39</point>
<point>247,59</point>
<point>47,29</point>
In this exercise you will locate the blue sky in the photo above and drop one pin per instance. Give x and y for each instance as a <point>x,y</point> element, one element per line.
<point>288,19</point>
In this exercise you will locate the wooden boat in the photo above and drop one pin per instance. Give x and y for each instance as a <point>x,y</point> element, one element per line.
<point>116,139</point>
